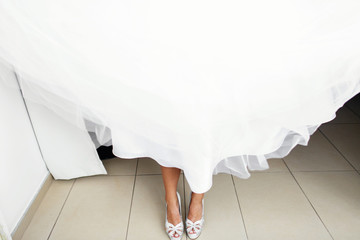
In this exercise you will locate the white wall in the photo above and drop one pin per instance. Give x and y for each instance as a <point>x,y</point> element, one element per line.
<point>22,169</point>
<point>34,140</point>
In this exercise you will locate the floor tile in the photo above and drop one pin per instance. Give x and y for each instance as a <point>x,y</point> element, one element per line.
<point>148,166</point>
<point>45,217</point>
<point>119,166</point>
<point>97,208</point>
<point>274,207</point>
<point>346,138</point>
<point>336,198</point>
<point>319,155</point>
<point>345,115</point>
<point>275,165</point>
<point>221,210</point>
<point>147,219</point>
<point>354,104</point>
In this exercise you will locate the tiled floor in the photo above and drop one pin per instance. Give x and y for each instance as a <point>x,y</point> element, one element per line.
<point>313,193</point>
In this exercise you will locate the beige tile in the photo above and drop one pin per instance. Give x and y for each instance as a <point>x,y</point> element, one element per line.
<point>275,165</point>
<point>29,214</point>
<point>274,207</point>
<point>222,213</point>
<point>119,166</point>
<point>345,115</point>
<point>319,155</point>
<point>148,166</point>
<point>346,138</point>
<point>354,104</point>
<point>48,211</point>
<point>147,220</point>
<point>336,198</point>
<point>97,208</point>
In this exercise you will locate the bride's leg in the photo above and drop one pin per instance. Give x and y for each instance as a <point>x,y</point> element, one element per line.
<point>170,179</point>
<point>195,209</point>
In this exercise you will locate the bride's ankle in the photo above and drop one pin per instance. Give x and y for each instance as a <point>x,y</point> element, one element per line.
<point>196,197</point>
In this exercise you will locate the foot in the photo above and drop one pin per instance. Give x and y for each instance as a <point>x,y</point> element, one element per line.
<point>195,219</point>
<point>195,209</point>
<point>173,223</point>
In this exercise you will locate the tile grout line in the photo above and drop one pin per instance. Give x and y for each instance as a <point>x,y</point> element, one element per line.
<point>357,115</point>
<point>146,174</point>
<point>241,213</point>
<point>302,171</point>
<point>185,207</point>
<point>184,192</point>
<point>132,198</point>
<point>331,170</point>
<point>62,207</point>
<point>302,190</point>
<point>328,139</point>
<point>349,108</point>
<point>339,123</point>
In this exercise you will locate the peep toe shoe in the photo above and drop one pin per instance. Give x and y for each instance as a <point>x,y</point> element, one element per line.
<point>174,232</point>
<point>194,229</point>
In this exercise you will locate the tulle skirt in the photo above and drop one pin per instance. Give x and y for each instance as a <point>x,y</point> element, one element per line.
<point>205,86</point>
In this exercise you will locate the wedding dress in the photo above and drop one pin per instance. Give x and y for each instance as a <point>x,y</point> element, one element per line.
<point>205,86</point>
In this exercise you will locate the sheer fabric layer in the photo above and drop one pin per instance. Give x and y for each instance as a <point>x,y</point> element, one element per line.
<point>205,86</point>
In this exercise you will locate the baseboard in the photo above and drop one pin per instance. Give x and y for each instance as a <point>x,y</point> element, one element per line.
<point>25,221</point>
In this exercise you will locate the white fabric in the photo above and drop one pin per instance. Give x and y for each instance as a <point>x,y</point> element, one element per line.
<point>205,86</point>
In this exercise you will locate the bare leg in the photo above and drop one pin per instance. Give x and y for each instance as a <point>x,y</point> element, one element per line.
<point>195,209</point>
<point>170,179</point>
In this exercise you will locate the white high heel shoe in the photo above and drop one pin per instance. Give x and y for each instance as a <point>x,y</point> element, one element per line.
<point>174,232</point>
<point>194,229</point>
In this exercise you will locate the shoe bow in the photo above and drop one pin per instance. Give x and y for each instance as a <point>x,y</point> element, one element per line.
<point>175,231</point>
<point>193,227</point>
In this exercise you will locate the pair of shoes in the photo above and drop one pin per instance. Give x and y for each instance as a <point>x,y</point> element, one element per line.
<point>193,229</point>
<point>174,232</point>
